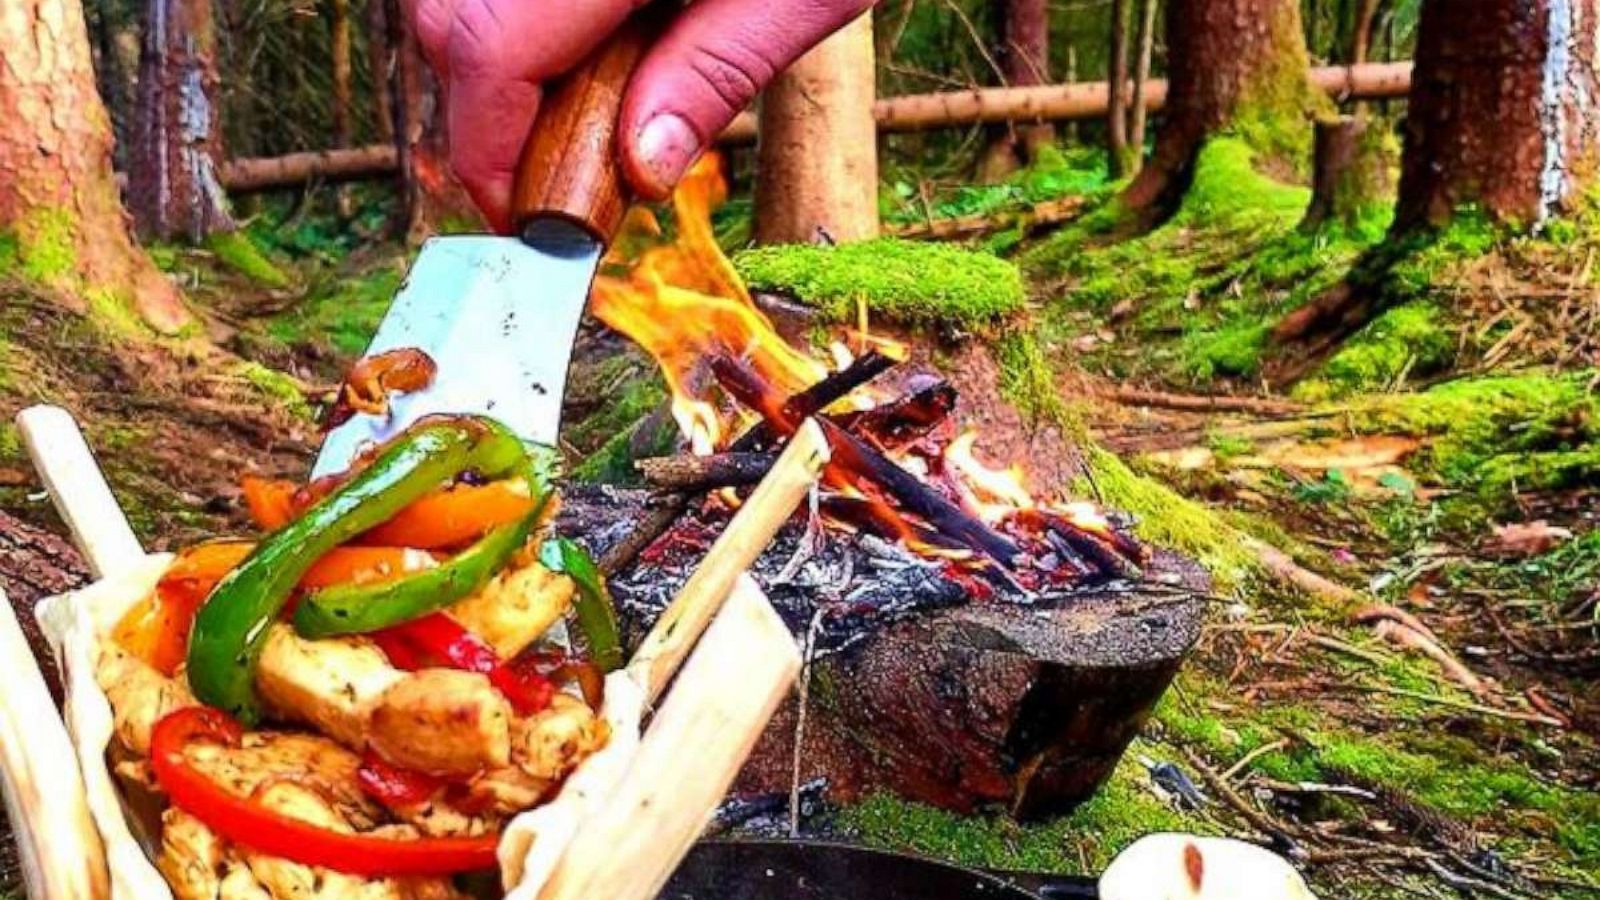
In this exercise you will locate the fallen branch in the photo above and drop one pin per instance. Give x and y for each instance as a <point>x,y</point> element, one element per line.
<point>1412,639</point>
<point>1268,406</point>
<point>1029,221</point>
<point>700,473</point>
<point>1254,755</point>
<point>1468,706</point>
<point>263,173</point>
<point>1282,567</point>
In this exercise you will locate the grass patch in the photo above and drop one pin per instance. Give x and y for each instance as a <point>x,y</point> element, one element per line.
<point>343,314</point>
<point>235,250</point>
<point>908,282</point>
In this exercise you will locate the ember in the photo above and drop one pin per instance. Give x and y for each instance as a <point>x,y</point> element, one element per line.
<point>902,472</point>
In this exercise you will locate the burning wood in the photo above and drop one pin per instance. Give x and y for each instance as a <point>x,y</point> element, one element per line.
<point>702,473</point>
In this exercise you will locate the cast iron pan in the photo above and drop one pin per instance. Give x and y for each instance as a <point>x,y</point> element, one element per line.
<point>812,870</point>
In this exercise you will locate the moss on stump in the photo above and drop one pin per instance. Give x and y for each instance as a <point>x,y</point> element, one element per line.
<point>904,282</point>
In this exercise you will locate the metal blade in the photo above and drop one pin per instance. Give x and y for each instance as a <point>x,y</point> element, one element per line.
<point>498,316</point>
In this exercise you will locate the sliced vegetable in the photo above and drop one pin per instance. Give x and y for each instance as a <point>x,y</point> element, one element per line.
<point>597,616</point>
<point>271,503</point>
<point>364,608</point>
<point>156,629</point>
<point>248,823</point>
<point>439,639</point>
<point>232,625</point>
<point>455,516</point>
<point>393,786</point>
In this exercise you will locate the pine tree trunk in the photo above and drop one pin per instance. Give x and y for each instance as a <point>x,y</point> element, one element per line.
<point>1348,172</point>
<point>1117,107</point>
<point>174,190</point>
<point>1024,60</point>
<point>380,65</point>
<point>339,41</point>
<point>58,196</point>
<point>1501,111</point>
<point>818,150</point>
<point>1227,60</point>
<point>1139,114</point>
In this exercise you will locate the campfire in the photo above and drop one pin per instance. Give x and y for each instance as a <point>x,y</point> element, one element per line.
<point>904,474</point>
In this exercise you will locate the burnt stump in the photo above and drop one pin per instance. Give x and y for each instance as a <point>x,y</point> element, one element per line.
<point>917,687</point>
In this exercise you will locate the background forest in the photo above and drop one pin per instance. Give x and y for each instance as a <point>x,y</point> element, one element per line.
<point>1318,304</point>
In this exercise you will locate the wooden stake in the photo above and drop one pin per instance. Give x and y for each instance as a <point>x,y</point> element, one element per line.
<point>695,747</point>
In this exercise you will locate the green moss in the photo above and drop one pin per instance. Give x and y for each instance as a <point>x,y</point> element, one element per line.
<point>285,392</point>
<point>113,314</point>
<point>1083,842</point>
<point>344,314</point>
<point>1168,519</point>
<point>235,250</point>
<point>1474,420</point>
<point>1055,174</point>
<point>1404,341</point>
<point>40,246</point>
<point>1028,382</point>
<point>1233,349</point>
<point>634,400</point>
<point>907,282</point>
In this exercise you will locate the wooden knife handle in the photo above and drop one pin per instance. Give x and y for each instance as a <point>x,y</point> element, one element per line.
<point>570,167</point>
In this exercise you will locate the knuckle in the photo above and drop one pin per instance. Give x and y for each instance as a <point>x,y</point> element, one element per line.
<point>735,71</point>
<point>477,43</point>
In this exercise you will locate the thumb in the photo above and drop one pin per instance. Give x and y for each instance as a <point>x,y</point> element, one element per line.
<point>713,60</point>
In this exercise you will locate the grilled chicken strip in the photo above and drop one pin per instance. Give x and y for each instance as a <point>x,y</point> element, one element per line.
<point>311,761</point>
<point>139,695</point>
<point>515,608</point>
<point>443,722</point>
<point>330,684</point>
<point>286,880</point>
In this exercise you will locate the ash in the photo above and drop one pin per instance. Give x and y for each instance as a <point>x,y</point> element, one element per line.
<point>832,586</point>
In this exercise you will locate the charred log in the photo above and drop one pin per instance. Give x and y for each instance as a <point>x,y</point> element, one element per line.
<point>906,418</point>
<point>814,399</point>
<point>701,473</point>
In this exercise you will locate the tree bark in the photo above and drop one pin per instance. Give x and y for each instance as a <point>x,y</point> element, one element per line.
<point>818,150</point>
<point>1024,61</point>
<point>173,187</point>
<point>58,195</point>
<point>380,65</point>
<point>1139,113</point>
<point>343,132</point>
<point>1501,111</point>
<point>1228,61</point>
<point>1348,172</point>
<point>1117,108</point>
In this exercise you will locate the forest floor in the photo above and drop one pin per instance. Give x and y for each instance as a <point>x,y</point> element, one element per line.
<point>1403,696</point>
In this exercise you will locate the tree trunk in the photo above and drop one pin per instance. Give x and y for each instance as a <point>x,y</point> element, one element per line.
<point>1348,172</point>
<point>380,65</point>
<point>1024,60</point>
<point>1139,114</point>
<point>1237,64</point>
<point>173,187</point>
<point>1117,108</point>
<point>1501,111</point>
<point>431,193</point>
<point>343,132</point>
<point>818,150</point>
<point>58,196</point>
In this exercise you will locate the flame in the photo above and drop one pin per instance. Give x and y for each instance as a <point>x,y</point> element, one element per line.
<point>683,302</point>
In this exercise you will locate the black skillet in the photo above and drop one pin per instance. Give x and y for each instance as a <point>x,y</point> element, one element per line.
<point>813,870</point>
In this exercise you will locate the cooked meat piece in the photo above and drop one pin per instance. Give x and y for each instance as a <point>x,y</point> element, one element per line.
<point>139,695</point>
<point>287,880</point>
<point>515,608</point>
<point>308,760</point>
<point>505,792</point>
<point>552,743</point>
<point>439,818</point>
<point>191,856</point>
<point>329,684</point>
<point>443,722</point>
<point>240,884</point>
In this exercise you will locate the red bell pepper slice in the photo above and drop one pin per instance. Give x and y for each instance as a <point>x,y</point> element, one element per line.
<point>393,786</point>
<point>440,638</point>
<point>249,824</point>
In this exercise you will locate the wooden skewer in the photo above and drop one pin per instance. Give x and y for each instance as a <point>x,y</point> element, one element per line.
<point>78,490</point>
<point>685,763</point>
<point>56,838</point>
<point>752,529</point>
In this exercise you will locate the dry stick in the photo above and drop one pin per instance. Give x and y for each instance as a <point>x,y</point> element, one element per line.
<point>814,399</point>
<point>1466,705</point>
<point>1254,755</point>
<point>1129,396</point>
<point>699,473</point>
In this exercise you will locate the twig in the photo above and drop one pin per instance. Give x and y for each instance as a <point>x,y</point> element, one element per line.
<point>1410,638</point>
<point>1270,406</point>
<point>1254,755</point>
<point>1466,705</point>
<point>1349,649</point>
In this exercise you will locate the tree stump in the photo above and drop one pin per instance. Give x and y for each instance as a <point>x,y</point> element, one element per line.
<point>1348,172</point>
<point>988,705</point>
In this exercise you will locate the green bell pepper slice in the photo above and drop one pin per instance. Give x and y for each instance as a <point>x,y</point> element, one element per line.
<point>597,616</point>
<point>231,627</point>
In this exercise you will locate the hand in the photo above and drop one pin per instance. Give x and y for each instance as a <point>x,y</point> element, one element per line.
<point>494,56</point>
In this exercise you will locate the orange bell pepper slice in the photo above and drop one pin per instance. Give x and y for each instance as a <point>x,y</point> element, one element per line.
<point>156,629</point>
<point>454,516</point>
<point>272,503</point>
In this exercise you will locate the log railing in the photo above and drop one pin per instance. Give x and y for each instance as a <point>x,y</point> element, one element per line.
<point>912,112</point>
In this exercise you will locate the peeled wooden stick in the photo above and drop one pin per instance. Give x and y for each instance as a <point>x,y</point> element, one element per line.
<point>79,490</point>
<point>752,529</point>
<point>59,847</point>
<point>695,747</point>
